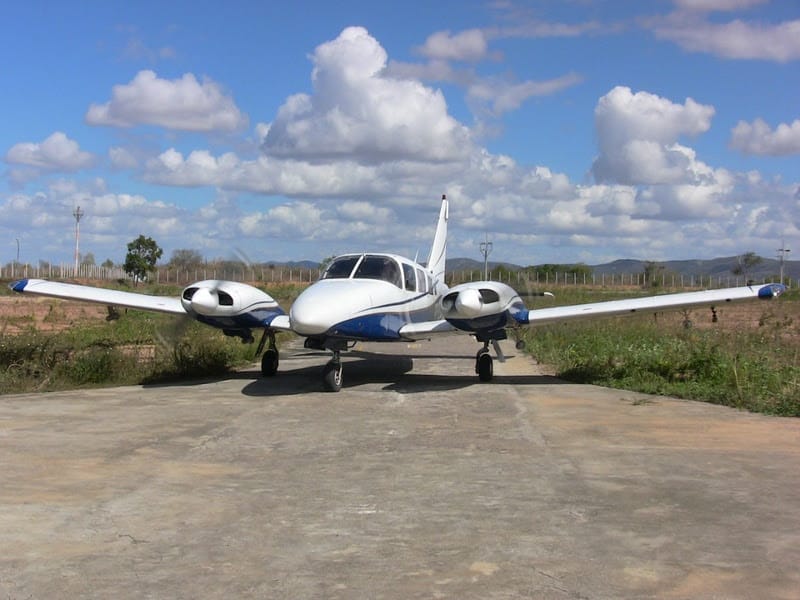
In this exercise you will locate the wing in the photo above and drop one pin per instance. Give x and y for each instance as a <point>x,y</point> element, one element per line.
<point>69,291</point>
<point>706,298</point>
<point>281,323</point>
<point>488,306</point>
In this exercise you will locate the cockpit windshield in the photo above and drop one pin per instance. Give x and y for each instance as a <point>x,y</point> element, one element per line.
<point>379,267</point>
<point>340,268</point>
<point>383,268</point>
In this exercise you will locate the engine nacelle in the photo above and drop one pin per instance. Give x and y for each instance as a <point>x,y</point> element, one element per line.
<point>214,298</point>
<point>480,305</point>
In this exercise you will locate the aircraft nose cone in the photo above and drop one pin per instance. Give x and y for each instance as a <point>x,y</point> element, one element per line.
<point>324,305</point>
<point>309,316</point>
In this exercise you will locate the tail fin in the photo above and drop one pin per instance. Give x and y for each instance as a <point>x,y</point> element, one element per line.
<point>438,255</point>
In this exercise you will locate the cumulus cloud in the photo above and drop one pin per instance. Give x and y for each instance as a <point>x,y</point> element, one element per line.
<point>760,139</point>
<point>183,104</point>
<point>637,136</point>
<point>359,113</point>
<point>56,153</point>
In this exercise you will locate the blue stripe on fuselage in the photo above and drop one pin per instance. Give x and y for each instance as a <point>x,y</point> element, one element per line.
<point>382,326</point>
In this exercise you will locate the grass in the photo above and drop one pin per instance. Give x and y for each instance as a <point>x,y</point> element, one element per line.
<point>137,348</point>
<point>754,367</point>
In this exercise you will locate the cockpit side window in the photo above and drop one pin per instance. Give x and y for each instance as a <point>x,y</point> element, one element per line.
<point>379,267</point>
<point>408,274</point>
<point>421,281</point>
<point>340,268</point>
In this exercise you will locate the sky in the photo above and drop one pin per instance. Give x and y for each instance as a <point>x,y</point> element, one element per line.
<point>563,132</point>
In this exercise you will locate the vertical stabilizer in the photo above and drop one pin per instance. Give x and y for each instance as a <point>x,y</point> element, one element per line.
<point>438,255</point>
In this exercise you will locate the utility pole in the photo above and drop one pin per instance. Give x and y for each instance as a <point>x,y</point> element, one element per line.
<point>486,249</point>
<point>77,213</point>
<point>16,263</point>
<point>782,252</point>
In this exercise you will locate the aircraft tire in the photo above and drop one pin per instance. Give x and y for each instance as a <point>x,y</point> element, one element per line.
<point>269,362</point>
<point>484,367</point>
<point>332,377</point>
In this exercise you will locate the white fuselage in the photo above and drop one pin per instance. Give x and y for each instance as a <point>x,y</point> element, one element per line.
<point>366,297</point>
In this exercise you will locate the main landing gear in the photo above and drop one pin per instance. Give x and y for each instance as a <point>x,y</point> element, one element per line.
<point>270,358</point>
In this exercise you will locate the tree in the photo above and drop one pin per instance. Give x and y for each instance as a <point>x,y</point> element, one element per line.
<point>745,265</point>
<point>652,271</point>
<point>88,259</point>
<point>184,258</point>
<point>143,253</point>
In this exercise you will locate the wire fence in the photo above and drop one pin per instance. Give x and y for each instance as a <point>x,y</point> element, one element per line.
<point>279,275</point>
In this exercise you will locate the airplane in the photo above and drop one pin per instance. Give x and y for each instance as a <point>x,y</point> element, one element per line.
<point>378,297</point>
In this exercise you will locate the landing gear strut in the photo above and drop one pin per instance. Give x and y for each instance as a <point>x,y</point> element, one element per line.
<point>332,374</point>
<point>270,358</point>
<point>484,365</point>
<point>332,371</point>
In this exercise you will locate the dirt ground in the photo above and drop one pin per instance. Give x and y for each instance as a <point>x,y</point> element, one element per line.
<point>21,313</point>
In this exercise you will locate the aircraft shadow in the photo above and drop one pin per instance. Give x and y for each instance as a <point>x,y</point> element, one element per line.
<point>360,368</point>
<point>395,372</point>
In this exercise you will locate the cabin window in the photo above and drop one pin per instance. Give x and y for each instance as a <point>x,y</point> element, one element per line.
<point>340,268</point>
<point>379,267</point>
<point>408,273</point>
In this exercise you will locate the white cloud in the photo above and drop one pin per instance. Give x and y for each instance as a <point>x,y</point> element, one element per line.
<point>758,138</point>
<point>122,158</point>
<point>736,39</point>
<point>469,45</point>
<point>716,5</point>
<point>638,133</point>
<point>183,104</point>
<point>356,112</point>
<point>56,153</point>
<point>503,96</point>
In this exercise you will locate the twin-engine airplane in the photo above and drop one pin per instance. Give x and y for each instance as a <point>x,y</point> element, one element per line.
<point>379,298</point>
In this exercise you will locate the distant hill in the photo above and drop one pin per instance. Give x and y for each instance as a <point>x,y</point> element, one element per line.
<point>717,267</point>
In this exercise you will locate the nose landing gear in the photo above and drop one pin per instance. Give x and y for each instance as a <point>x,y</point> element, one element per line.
<point>332,374</point>
<point>484,365</point>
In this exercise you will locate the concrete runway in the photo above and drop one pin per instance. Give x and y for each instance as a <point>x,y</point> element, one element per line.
<point>415,481</point>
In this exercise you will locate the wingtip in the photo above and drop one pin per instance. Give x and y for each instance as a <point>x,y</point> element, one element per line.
<point>771,290</point>
<point>18,286</point>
